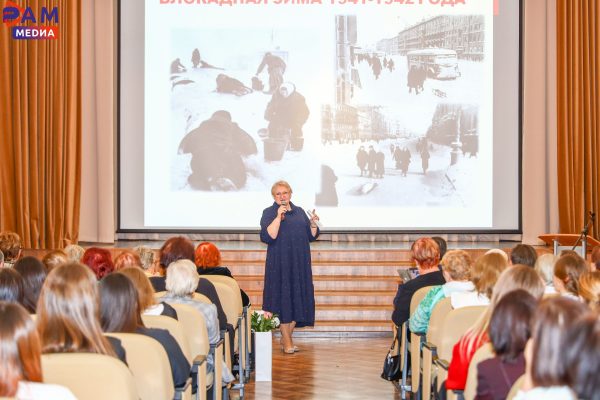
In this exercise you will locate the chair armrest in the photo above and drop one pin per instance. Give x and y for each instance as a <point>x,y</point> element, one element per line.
<point>442,364</point>
<point>199,360</point>
<point>179,390</point>
<point>430,346</point>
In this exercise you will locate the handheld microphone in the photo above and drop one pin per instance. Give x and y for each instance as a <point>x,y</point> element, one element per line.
<point>283,203</point>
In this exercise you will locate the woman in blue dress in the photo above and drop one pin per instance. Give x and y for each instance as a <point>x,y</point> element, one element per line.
<point>288,290</point>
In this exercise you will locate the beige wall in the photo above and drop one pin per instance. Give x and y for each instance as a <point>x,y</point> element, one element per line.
<point>98,197</point>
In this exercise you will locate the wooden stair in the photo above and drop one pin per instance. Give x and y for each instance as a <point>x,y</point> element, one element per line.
<point>354,289</point>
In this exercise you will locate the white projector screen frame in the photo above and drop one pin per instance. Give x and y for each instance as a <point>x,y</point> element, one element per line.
<point>480,193</point>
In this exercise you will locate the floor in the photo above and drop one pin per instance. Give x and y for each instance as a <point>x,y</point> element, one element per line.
<point>328,369</point>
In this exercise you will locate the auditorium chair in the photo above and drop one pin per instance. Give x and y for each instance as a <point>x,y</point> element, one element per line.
<point>483,353</point>
<point>243,324</point>
<point>196,334</point>
<point>415,348</point>
<point>149,363</point>
<point>90,376</point>
<point>175,328</point>
<point>456,323</point>
<point>432,339</point>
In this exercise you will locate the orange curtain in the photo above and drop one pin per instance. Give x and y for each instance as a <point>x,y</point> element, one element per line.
<point>578,108</point>
<point>40,129</point>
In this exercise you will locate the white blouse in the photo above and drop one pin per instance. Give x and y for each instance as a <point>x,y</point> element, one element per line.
<point>43,391</point>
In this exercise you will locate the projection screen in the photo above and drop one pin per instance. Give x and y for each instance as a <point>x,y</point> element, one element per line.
<point>383,115</point>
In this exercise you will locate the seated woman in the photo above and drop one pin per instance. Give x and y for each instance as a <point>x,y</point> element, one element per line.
<point>99,260</point>
<point>544,265</point>
<point>20,352</point>
<point>11,286</point>
<point>567,270</point>
<point>68,314</point>
<point>127,258</point>
<point>548,354</point>
<point>182,280</point>
<point>584,342</point>
<point>34,274</point>
<point>182,248</point>
<point>589,289</point>
<point>517,277</point>
<point>74,252</point>
<point>208,260</point>
<point>508,332</point>
<point>456,266</point>
<point>55,258</point>
<point>120,312</point>
<point>148,303</point>
<point>484,275</point>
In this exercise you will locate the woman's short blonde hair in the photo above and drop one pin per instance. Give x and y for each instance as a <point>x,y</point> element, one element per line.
<point>54,259</point>
<point>457,263</point>
<point>280,183</point>
<point>485,272</point>
<point>589,288</point>
<point>182,278</point>
<point>544,265</point>
<point>74,252</point>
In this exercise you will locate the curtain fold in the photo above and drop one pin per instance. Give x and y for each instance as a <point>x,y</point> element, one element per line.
<point>40,130</point>
<point>578,109</point>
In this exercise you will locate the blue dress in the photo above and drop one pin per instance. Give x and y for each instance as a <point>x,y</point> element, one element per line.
<point>288,289</point>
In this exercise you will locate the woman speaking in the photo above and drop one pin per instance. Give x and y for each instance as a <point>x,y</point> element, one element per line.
<point>288,290</point>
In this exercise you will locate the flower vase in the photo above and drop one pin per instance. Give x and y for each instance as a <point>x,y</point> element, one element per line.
<point>263,342</point>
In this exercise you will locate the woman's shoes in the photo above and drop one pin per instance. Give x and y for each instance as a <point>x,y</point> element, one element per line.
<point>291,350</point>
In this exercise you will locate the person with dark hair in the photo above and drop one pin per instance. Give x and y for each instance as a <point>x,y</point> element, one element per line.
<point>442,244</point>
<point>218,146</point>
<point>287,113</point>
<point>567,271</point>
<point>426,254</point>
<point>523,254</point>
<point>120,312</point>
<point>547,356</point>
<point>34,274</point>
<point>11,286</point>
<point>584,342</point>
<point>207,258</point>
<point>182,248</point>
<point>21,355</point>
<point>509,331</point>
<point>275,67</point>
<point>99,260</point>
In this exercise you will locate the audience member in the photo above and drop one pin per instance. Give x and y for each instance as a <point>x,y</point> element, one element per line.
<point>11,247</point>
<point>99,260</point>
<point>74,252</point>
<point>34,274</point>
<point>146,255</point>
<point>181,248</point>
<point>69,316</point>
<point>20,352</point>
<point>544,265</point>
<point>127,258</point>
<point>426,254</point>
<point>498,251</point>
<point>1,259</point>
<point>567,270</point>
<point>11,286</point>
<point>517,277</point>
<point>595,257</point>
<point>523,254</point>
<point>484,275</point>
<point>456,266</point>
<point>442,245</point>
<point>120,312</point>
<point>508,331</point>
<point>582,350</point>
<point>547,367</point>
<point>55,258</point>
<point>148,303</point>
<point>589,289</point>
<point>182,280</point>
<point>208,260</point>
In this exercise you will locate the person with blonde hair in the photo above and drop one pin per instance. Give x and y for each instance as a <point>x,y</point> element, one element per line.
<point>11,247</point>
<point>69,315</point>
<point>20,352</point>
<point>484,275</point>
<point>148,303</point>
<point>589,289</point>
<point>146,255</point>
<point>517,277</point>
<point>1,259</point>
<point>74,252</point>
<point>425,253</point>
<point>55,258</point>
<point>456,267</point>
<point>567,270</point>
<point>127,258</point>
<point>544,265</point>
